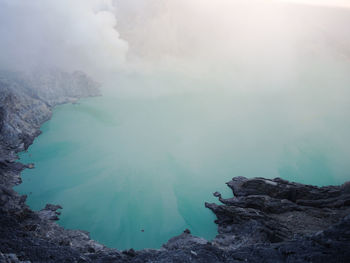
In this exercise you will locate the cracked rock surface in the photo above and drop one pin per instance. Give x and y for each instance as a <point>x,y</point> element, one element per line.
<point>272,211</point>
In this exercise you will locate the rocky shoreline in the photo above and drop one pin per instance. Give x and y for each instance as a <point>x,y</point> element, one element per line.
<point>266,220</point>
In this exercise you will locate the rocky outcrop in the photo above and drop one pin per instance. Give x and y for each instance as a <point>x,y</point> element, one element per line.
<point>272,211</point>
<point>265,220</point>
<point>269,221</point>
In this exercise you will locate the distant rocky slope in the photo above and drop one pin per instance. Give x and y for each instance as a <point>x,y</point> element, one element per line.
<point>26,102</point>
<point>265,220</point>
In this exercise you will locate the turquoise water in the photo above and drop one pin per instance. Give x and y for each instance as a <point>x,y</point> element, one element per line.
<point>122,164</point>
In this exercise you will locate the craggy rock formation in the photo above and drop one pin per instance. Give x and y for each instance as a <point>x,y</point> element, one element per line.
<point>273,211</point>
<point>265,221</point>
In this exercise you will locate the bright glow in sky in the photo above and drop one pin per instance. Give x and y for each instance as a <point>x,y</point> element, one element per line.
<point>336,3</point>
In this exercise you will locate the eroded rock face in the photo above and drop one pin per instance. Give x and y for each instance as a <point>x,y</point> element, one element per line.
<point>272,211</point>
<point>27,100</point>
<point>266,220</point>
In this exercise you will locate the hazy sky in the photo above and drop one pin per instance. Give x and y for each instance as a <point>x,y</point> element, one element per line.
<point>203,37</point>
<point>178,35</point>
<point>337,3</point>
<point>78,34</point>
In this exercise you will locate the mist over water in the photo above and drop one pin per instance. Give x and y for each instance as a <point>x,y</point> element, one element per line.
<point>198,93</point>
<point>127,162</point>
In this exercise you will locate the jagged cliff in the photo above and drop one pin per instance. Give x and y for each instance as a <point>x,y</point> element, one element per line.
<point>265,220</point>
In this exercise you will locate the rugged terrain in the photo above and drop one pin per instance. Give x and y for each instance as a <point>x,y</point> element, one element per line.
<point>265,220</point>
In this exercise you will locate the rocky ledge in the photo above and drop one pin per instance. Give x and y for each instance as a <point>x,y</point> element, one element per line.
<point>274,211</point>
<point>265,220</point>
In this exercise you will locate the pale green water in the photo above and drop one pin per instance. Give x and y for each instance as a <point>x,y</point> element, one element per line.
<point>118,165</point>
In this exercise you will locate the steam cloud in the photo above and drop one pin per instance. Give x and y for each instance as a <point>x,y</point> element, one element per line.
<point>193,37</point>
<point>77,34</point>
<point>287,61</point>
<point>241,44</point>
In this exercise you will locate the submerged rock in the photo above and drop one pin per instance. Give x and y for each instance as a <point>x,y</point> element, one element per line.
<point>30,166</point>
